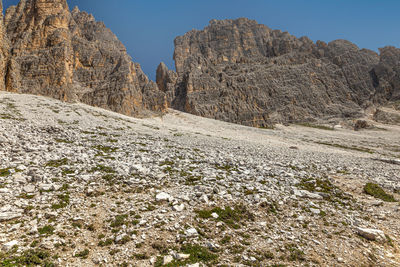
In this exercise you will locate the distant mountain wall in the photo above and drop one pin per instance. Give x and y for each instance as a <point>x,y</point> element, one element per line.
<point>243,72</point>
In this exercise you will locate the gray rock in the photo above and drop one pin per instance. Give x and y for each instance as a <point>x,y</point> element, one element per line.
<point>191,232</point>
<point>9,245</point>
<point>244,72</point>
<point>9,215</point>
<point>163,196</point>
<point>371,234</point>
<point>29,188</point>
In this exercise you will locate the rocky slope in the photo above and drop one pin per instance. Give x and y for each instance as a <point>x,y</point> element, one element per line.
<point>69,56</point>
<point>243,72</point>
<point>81,186</point>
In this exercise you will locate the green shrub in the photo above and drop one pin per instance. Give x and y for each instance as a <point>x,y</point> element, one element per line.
<point>377,192</point>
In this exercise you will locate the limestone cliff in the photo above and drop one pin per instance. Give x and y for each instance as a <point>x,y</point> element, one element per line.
<point>69,56</point>
<point>4,50</point>
<point>244,72</point>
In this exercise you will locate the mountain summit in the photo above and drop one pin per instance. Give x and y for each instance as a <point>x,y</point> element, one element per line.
<point>69,56</point>
<point>243,72</point>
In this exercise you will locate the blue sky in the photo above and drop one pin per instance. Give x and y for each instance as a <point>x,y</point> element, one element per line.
<point>148,27</point>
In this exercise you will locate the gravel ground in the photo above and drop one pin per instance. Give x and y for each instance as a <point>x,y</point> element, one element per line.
<point>82,186</point>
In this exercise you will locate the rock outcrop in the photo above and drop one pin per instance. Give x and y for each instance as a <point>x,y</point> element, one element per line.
<point>387,75</point>
<point>4,49</point>
<point>166,80</point>
<point>69,56</point>
<point>243,72</point>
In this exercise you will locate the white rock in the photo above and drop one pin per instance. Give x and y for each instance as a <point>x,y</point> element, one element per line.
<point>4,190</point>
<point>18,178</point>
<point>191,232</point>
<point>29,188</point>
<point>315,211</point>
<point>46,187</point>
<point>179,208</point>
<point>371,234</point>
<point>306,194</point>
<point>168,259</point>
<point>120,237</point>
<point>194,265</point>
<point>163,196</point>
<point>180,256</point>
<point>204,198</point>
<point>6,216</point>
<point>9,245</point>
<point>215,215</point>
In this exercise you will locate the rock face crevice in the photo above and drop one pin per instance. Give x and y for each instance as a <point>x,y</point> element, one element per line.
<point>243,72</point>
<point>72,57</point>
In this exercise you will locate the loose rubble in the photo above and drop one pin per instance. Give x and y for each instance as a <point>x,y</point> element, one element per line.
<point>81,186</point>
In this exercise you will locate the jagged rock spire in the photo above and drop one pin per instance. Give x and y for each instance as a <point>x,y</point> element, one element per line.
<point>69,56</point>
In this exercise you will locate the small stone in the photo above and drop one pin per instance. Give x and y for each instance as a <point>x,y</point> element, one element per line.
<point>371,234</point>
<point>29,188</point>
<point>315,211</point>
<point>46,187</point>
<point>4,190</point>
<point>340,260</point>
<point>9,245</point>
<point>215,215</point>
<point>163,196</point>
<point>178,208</point>
<point>204,198</point>
<point>7,216</point>
<point>167,259</point>
<point>18,178</point>
<point>191,232</point>
<point>180,256</point>
<point>120,237</point>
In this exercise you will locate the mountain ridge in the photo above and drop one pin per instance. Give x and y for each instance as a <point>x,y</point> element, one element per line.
<point>234,70</point>
<point>244,72</point>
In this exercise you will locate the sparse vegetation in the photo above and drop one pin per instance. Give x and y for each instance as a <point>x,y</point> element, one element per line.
<point>359,149</point>
<point>316,126</point>
<point>82,254</point>
<point>377,192</point>
<point>5,172</point>
<point>231,216</point>
<point>46,230</point>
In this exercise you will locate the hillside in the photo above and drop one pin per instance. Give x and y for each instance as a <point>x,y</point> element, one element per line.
<point>82,186</point>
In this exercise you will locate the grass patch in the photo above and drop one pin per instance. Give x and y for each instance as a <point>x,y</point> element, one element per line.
<point>359,149</point>
<point>230,216</point>
<point>197,254</point>
<point>295,254</point>
<point>102,168</point>
<point>57,163</point>
<point>82,254</point>
<point>46,230</point>
<point>5,172</point>
<point>105,149</point>
<point>119,221</point>
<point>64,141</point>
<point>316,126</point>
<point>377,192</point>
<point>28,258</point>
<point>63,202</point>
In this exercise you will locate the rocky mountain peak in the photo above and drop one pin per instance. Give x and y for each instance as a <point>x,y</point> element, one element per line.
<point>244,72</point>
<point>72,57</point>
<point>45,8</point>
